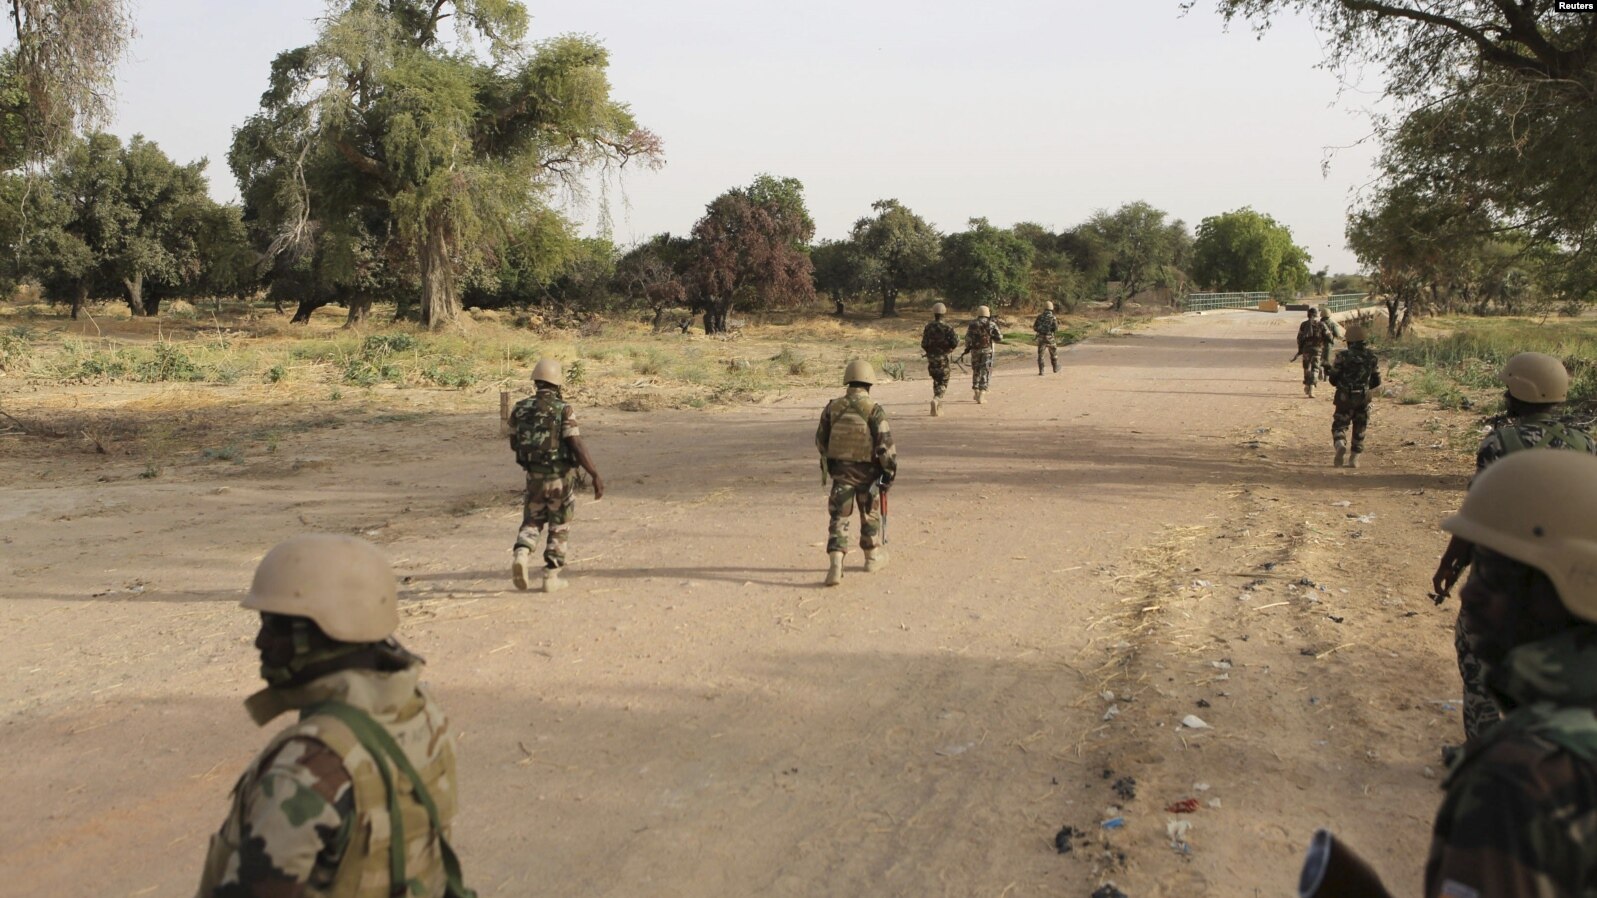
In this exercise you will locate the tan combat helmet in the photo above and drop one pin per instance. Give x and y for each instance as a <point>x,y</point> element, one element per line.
<point>859,371</point>
<point>1049,305</point>
<point>1356,333</point>
<point>1536,377</point>
<point>548,371</point>
<point>939,309</point>
<point>1535,507</point>
<point>984,312</point>
<point>342,583</point>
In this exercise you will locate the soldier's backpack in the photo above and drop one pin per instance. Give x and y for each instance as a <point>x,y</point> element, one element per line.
<point>939,339</point>
<point>850,437</point>
<point>535,425</point>
<point>980,336</point>
<point>1570,437</point>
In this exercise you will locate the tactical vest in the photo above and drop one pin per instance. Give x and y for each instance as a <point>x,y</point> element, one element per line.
<point>1573,729</point>
<point>535,426</point>
<point>939,339</point>
<point>1514,441</point>
<point>366,870</point>
<point>850,436</point>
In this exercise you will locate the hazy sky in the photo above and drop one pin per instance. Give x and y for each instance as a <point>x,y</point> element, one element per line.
<point>1015,110</point>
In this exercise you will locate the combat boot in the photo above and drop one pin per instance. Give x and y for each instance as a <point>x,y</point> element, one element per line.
<point>1341,451</point>
<point>552,581</point>
<point>1056,364</point>
<point>981,397</point>
<point>1308,390</point>
<point>834,574</point>
<point>1353,460</point>
<point>936,408</point>
<point>875,559</point>
<point>977,394</point>
<point>1039,368</point>
<point>518,567</point>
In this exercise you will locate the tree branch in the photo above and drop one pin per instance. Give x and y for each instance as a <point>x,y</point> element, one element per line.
<point>363,163</point>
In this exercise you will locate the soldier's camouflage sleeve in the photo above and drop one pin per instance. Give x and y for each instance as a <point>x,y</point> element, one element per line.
<point>823,433</point>
<point>1518,821</point>
<point>293,829</point>
<point>882,432</point>
<point>568,423</point>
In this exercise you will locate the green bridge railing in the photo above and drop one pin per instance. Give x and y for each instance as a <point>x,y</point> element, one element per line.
<point>1203,302</point>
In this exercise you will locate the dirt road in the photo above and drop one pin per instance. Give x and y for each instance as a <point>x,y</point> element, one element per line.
<point>698,716</point>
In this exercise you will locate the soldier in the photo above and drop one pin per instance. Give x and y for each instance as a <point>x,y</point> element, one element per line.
<point>1046,326</point>
<point>1336,332</point>
<point>979,340</point>
<point>1536,385</point>
<point>1520,813</point>
<point>1314,340</point>
<point>1355,373</point>
<point>938,341</point>
<point>857,453</point>
<point>543,432</point>
<point>319,811</point>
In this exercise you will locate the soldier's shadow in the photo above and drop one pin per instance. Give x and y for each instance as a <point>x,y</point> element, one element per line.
<point>801,578</point>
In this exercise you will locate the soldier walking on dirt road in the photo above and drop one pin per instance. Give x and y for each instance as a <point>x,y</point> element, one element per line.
<point>1314,341</point>
<point>1520,814</point>
<point>1537,385</point>
<point>319,810</point>
<point>548,446</point>
<point>858,457</point>
<point>938,341</point>
<point>1356,371</point>
<point>979,339</point>
<point>1045,327</point>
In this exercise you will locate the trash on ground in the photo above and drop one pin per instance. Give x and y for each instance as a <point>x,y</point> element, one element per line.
<point>1062,839</point>
<point>1126,788</point>
<point>1114,823</point>
<point>1177,831</point>
<point>1194,722</point>
<point>1111,712</point>
<point>1184,806</point>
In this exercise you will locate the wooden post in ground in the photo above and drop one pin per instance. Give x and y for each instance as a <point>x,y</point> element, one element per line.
<point>504,413</point>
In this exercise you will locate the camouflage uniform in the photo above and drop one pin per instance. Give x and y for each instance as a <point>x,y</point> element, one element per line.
<point>857,483</point>
<point>1520,816</point>
<point>979,339</point>
<point>551,497</point>
<point>310,813</point>
<point>938,341</point>
<point>1535,431</point>
<point>1314,343</point>
<point>1356,372</point>
<point>1045,327</point>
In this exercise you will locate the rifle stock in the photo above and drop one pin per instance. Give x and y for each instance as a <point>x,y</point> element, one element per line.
<point>1333,870</point>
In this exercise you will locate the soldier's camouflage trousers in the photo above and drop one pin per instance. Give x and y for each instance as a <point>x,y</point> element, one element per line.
<point>981,369</point>
<point>1351,409</point>
<point>1046,341</point>
<point>841,502</point>
<point>938,367</point>
<point>550,503</point>
<point>1313,368</point>
<point>1480,712</point>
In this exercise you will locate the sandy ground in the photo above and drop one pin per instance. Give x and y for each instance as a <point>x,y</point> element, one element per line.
<point>1076,567</point>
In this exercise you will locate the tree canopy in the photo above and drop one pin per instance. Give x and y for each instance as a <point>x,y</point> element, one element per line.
<point>59,75</point>
<point>1246,250</point>
<point>985,265</point>
<point>897,251</point>
<point>1144,249</point>
<point>750,247</point>
<point>385,138</point>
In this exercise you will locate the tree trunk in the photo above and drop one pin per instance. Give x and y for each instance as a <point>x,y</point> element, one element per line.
<point>837,300</point>
<point>889,302</point>
<point>80,298</point>
<point>359,308</point>
<point>439,303</point>
<point>152,305</point>
<point>1391,303</point>
<point>659,319</point>
<point>135,288</point>
<point>302,315</point>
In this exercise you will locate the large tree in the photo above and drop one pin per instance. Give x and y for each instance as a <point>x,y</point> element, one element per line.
<point>384,131</point>
<point>750,248</point>
<point>59,75</point>
<point>899,252</point>
<point>1054,275</point>
<point>985,265</point>
<point>1245,250</point>
<point>1490,107</point>
<point>1144,249</point>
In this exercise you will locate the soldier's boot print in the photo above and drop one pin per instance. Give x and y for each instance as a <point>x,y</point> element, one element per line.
<point>1341,451</point>
<point>875,559</point>
<point>552,581</point>
<point>834,574</point>
<point>518,567</point>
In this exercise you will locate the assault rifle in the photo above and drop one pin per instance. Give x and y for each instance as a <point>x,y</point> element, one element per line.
<point>1333,870</point>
